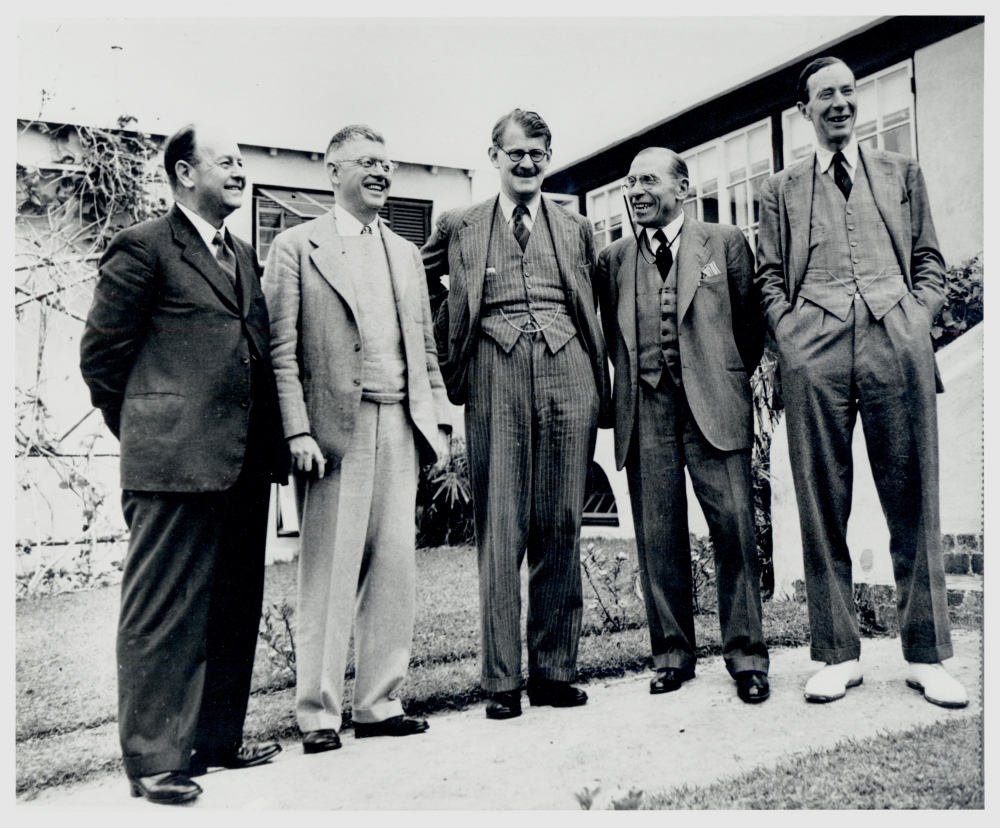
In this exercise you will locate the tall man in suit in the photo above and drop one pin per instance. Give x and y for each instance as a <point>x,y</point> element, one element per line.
<point>685,333</point>
<point>521,349</point>
<point>851,280</point>
<point>363,404</point>
<point>175,352</point>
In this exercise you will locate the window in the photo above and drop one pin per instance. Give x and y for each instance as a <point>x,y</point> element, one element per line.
<point>606,209</point>
<point>726,175</point>
<point>885,116</point>
<point>277,209</point>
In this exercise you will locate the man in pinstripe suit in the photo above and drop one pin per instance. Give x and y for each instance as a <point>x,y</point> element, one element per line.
<point>520,347</point>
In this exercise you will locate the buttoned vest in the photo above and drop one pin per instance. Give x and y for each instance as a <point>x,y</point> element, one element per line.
<point>850,250</point>
<point>523,291</point>
<point>656,322</point>
<point>383,370</point>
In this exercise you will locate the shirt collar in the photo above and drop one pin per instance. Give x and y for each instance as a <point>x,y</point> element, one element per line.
<point>348,225</point>
<point>204,229</point>
<point>507,206</point>
<point>825,158</point>
<point>671,231</point>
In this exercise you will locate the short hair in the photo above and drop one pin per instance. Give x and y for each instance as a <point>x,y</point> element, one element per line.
<point>349,133</point>
<point>802,90</point>
<point>678,166</point>
<point>181,146</point>
<point>532,123</point>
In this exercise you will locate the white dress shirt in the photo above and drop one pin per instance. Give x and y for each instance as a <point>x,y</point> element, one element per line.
<point>825,158</point>
<point>348,225</point>
<point>507,206</point>
<point>672,231</point>
<point>205,230</point>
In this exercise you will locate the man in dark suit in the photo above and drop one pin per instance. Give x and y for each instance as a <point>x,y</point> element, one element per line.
<point>685,333</point>
<point>175,353</point>
<point>520,347</point>
<point>851,279</point>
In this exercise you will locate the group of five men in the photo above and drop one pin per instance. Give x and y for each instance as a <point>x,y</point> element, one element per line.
<point>342,366</point>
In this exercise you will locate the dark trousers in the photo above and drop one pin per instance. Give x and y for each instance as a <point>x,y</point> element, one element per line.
<point>665,440</point>
<point>884,370</point>
<point>190,609</point>
<point>531,425</point>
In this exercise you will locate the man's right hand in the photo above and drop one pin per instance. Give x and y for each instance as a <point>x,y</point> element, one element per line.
<point>306,453</point>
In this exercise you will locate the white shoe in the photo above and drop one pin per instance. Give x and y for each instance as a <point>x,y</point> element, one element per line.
<point>937,685</point>
<point>831,683</point>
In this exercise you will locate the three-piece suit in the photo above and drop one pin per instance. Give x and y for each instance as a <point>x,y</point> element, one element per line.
<point>520,346</point>
<point>176,355</point>
<point>356,366</point>
<point>851,288</point>
<point>684,345</point>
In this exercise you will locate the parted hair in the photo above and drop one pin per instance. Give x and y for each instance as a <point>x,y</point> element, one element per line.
<point>802,90</point>
<point>349,133</point>
<point>532,123</point>
<point>181,146</point>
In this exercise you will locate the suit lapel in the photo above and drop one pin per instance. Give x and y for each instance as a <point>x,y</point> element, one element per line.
<point>400,258</point>
<point>798,195</point>
<point>564,234</point>
<point>245,272</point>
<point>198,256</point>
<point>881,175</point>
<point>692,256</point>
<point>329,259</point>
<point>474,241</point>
<point>625,279</point>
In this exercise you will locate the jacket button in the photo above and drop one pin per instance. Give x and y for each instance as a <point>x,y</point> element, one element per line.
<point>246,360</point>
<point>245,403</point>
<point>357,346</point>
<point>357,382</point>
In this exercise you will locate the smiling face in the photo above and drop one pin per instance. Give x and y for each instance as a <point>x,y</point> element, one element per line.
<point>833,107</point>
<point>520,182</point>
<point>213,185</point>
<point>657,196</point>
<point>359,191</point>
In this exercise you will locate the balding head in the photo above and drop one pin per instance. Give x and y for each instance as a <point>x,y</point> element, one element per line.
<point>657,185</point>
<point>205,169</point>
<point>672,164</point>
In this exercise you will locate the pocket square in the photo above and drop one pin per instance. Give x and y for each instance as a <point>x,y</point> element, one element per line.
<point>710,270</point>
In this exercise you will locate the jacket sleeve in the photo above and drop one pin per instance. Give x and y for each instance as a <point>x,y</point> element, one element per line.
<point>749,323</point>
<point>282,291</point>
<point>434,254</point>
<point>926,261</point>
<point>770,281</point>
<point>433,367</point>
<point>124,301</point>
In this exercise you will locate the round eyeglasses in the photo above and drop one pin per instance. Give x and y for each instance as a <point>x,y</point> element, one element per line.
<point>517,155</point>
<point>368,164</point>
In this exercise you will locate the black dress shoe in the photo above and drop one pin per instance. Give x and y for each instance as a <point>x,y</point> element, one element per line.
<point>170,788</point>
<point>319,741</point>
<point>396,726</point>
<point>557,693</point>
<point>752,686</point>
<point>668,680</point>
<point>246,756</point>
<point>504,705</point>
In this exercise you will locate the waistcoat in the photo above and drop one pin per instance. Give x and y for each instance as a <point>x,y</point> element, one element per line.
<point>656,322</point>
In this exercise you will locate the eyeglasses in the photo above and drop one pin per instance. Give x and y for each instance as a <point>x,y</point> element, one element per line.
<point>367,163</point>
<point>517,155</point>
<point>646,181</point>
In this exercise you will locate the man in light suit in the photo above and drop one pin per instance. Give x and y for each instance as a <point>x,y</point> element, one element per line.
<point>363,406</point>
<point>851,279</point>
<point>520,347</point>
<point>175,353</point>
<point>685,333</point>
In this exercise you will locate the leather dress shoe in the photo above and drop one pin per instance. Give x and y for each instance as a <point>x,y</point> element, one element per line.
<point>833,681</point>
<point>246,756</point>
<point>396,726</point>
<point>170,788</point>
<point>504,705</point>
<point>752,686</point>
<point>669,680</point>
<point>937,685</point>
<point>557,693</point>
<point>319,741</point>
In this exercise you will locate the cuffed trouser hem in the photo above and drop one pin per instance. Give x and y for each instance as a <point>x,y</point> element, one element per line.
<point>150,764</point>
<point>743,664</point>
<point>319,720</point>
<point>837,656</point>
<point>378,713</point>
<point>928,655</point>
<point>567,674</point>
<point>674,661</point>
<point>502,684</point>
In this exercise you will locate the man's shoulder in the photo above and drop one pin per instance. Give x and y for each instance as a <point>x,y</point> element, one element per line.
<point>151,231</point>
<point>615,252</point>
<point>895,159</point>
<point>457,216</point>
<point>792,171</point>
<point>298,235</point>
<point>393,238</point>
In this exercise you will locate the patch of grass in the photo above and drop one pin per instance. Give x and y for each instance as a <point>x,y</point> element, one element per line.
<point>932,766</point>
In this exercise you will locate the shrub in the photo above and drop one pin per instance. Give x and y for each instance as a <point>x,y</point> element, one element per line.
<point>964,302</point>
<point>444,502</point>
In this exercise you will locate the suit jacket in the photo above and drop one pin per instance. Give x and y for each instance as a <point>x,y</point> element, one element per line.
<point>459,246</point>
<point>720,331</point>
<point>167,353</point>
<point>316,345</point>
<point>900,195</point>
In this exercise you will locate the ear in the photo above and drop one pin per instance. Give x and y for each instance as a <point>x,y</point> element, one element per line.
<point>183,170</point>
<point>333,173</point>
<point>493,152</point>
<point>683,185</point>
<point>803,110</point>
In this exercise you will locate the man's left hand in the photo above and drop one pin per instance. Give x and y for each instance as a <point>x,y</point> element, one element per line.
<point>443,451</point>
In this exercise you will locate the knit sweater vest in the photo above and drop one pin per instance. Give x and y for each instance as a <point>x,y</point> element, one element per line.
<point>656,322</point>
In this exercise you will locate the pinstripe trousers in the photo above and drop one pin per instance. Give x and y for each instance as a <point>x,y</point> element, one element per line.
<point>531,425</point>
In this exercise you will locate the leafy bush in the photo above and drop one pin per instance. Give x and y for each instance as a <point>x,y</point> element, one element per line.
<point>964,306</point>
<point>444,502</point>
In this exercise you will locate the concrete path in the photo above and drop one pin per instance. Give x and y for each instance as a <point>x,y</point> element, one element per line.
<point>622,739</point>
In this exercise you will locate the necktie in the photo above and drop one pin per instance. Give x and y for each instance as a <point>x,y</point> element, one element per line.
<point>840,175</point>
<point>366,230</point>
<point>225,256</point>
<point>664,255</point>
<point>521,231</point>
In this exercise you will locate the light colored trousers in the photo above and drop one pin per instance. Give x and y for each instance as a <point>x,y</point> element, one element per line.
<point>356,562</point>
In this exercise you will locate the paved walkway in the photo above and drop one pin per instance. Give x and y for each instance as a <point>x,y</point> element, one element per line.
<point>623,738</point>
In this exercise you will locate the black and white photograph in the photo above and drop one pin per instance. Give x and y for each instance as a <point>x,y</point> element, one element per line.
<point>467,407</point>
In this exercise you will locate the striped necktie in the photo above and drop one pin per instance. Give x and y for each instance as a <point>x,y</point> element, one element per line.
<point>521,231</point>
<point>225,256</point>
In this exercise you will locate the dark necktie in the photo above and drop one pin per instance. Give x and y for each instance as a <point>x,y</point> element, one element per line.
<point>840,174</point>
<point>366,230</point>
<point>225,256</point>
<point>521,231</point>
<point>664,255</point>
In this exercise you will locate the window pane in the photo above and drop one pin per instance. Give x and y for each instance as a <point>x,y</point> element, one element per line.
<point>710,210</point>
<point>691,209</point>
<point>871,143</point>
<point>867,102</point>
<point>600,240</point>
<point>897,140</point>
<point>755,197</point>
<point>616,232</point>
<point>600,209</point>
<point>865,129</point>
<point>799,136</point>
<point>738,205</point>
<point>736,158</point>
<point>894,93</point>
<point>759,146</point>
<point>708,169</point>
